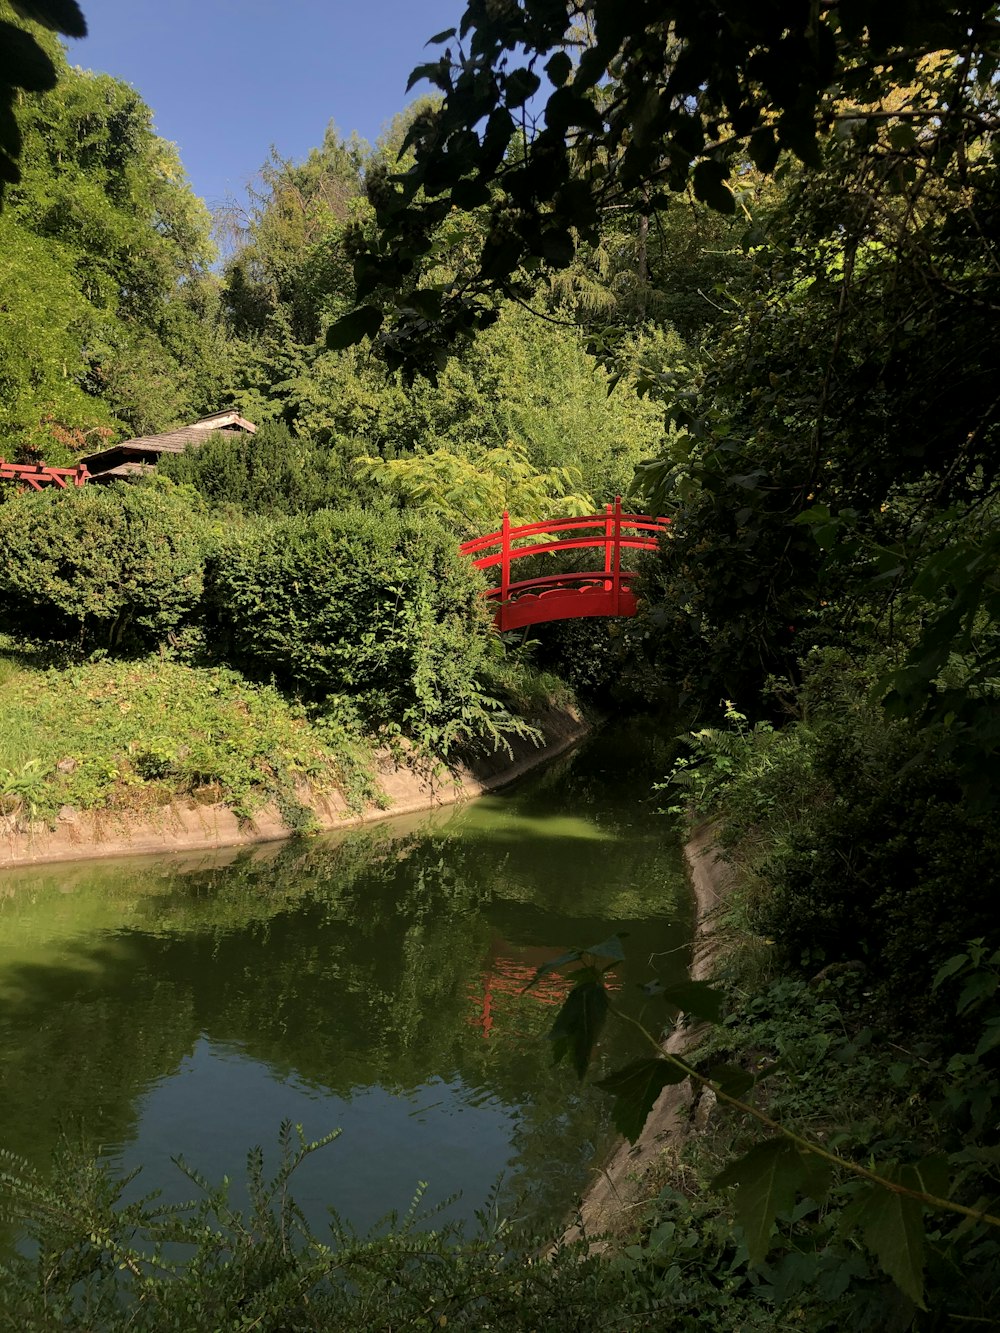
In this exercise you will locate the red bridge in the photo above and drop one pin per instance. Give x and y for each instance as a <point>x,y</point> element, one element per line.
<point>39,475</point>
<point>608,591</point>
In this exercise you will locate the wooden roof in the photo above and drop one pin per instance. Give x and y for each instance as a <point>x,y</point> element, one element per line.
<point>171,441</point>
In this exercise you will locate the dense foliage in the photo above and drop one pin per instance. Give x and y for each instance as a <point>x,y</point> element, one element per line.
<point>27,66</point>
<point>109,307</point>
<point>752,251</point>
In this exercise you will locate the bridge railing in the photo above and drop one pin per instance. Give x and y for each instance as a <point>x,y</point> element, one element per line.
<point>604,591</point>
<point>39,475</point>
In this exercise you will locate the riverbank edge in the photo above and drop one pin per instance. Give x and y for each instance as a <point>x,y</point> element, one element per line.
<point>184,824</point>
<point>621,1187</point>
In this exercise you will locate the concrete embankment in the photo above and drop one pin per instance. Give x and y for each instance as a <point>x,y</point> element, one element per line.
<point>624,1183</point>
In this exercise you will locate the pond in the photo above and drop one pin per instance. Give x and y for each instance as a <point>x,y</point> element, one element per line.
<point>370,981</point>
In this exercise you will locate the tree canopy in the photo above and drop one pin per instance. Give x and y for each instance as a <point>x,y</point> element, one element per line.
<point>552,115</point>
<point>26,65</point>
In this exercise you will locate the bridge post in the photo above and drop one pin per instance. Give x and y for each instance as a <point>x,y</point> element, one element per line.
<point>616,566</point>
<point>608,533</point>
<point>504,566</point>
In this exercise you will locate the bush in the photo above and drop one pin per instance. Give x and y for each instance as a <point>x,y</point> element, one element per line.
<point>111,565</point>
<point>270,472</point>
<point>377,607</point>
<point>895,870</point>
<point>858,843</point>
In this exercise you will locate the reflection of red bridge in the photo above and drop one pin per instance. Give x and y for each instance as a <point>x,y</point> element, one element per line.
<point>506,981</point>
<point>608,591</point>
<point>40,475</point>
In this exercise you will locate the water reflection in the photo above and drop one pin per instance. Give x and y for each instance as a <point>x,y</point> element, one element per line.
<point>372,982</point>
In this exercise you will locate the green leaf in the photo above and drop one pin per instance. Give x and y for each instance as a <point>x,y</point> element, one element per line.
<point>427,302</point>
<point>23,63</point>
<point>980,986</point>
<point>635,1089</point>
<point>469,194</point>
<point>437,72</point>
<point>764,149</point>
<point>893,1229</point>
<point>558,248</point>
<point>519,85</point>
<point>10,135</point>
<point>815,514</point>
<point>902,136</point>
<point>440,37</point>
<point>578,1024</point>
<point>697,998</point>
<point>364,322</point>
<point>989,1039</point>
<point>732,1080</point>
<point>767,1180</point>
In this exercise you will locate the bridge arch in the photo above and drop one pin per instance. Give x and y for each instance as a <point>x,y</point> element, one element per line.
<point>606,591</point>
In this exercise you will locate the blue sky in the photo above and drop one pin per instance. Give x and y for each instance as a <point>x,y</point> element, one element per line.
<point>226,79</point>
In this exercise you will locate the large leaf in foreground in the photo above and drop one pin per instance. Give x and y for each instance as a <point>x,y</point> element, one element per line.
<point>578,1024</point>
<point>636,1088</point>
<point>768,1178</point>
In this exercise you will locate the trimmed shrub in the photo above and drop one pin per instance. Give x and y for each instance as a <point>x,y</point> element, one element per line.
<point>375,606</point>
<point>108,565</point>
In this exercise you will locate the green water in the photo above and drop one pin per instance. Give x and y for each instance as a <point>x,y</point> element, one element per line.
<point>368,982</point>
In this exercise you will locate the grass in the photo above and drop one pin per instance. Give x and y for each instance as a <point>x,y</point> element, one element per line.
<point>130,735</point>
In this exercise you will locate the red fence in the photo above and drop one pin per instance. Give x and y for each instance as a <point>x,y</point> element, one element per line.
<point>600,592</point>
<point>39,475</point>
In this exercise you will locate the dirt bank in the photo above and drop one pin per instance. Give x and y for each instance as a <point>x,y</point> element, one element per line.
<point>622,1185</point>
<point>187,825</point>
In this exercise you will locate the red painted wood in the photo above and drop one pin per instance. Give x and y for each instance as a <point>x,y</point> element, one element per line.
<point>607,591</point>
<point>39,475</point>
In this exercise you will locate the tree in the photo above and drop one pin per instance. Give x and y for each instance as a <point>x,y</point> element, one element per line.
<point>111,307</point>
<point>26,65</point>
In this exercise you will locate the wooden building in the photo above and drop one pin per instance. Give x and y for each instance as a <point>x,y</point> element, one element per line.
<point>132,458</point>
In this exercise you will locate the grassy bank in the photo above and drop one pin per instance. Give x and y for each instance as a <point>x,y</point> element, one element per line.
<point>130,736</point>
<point>126,738</point>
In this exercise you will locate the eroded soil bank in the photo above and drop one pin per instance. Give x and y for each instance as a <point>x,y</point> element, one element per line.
<point>187,825</point>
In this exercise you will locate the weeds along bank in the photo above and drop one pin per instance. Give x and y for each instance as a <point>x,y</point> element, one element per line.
<point>153,649</point>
